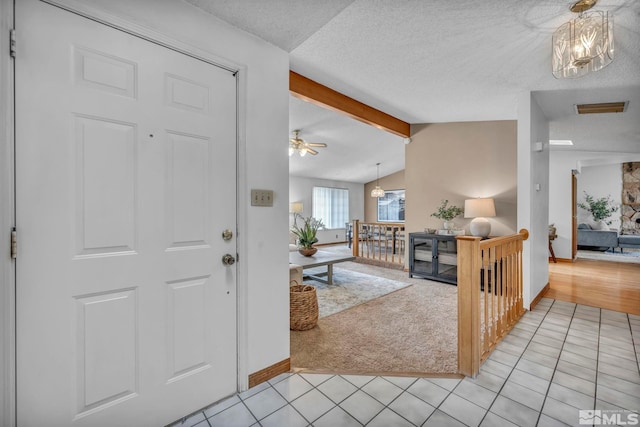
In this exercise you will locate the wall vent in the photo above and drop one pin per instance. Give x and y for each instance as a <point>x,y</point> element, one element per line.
<point>606,107</point>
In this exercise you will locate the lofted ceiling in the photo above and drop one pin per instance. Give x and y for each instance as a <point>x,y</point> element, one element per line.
<point>438,61</point>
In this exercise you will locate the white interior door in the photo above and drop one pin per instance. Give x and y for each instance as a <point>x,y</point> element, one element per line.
<point>125,180</point>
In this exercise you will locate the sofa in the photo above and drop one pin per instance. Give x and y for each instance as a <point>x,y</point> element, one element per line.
<point>629,241</point>
<point>605,239</point>
<point>601,239</point>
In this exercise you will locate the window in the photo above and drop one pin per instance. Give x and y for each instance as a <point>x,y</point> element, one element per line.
<point>391,206</point>
<point>331,205</point>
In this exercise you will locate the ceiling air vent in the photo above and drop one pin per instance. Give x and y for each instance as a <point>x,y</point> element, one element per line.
<point>606,107</point>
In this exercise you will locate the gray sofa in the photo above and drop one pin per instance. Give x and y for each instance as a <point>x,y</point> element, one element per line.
<point>628,241</point>
<point>602,239</point>
<point>605,239</point>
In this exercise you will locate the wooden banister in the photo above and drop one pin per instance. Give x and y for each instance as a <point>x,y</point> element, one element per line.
<point>379,242</point>
<point>468,307</point>
<point>489,295</point>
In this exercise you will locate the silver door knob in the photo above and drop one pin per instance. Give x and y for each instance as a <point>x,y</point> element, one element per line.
<point>228,259</point>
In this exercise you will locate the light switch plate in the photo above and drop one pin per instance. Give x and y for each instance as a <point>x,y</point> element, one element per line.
<point>261,197</point>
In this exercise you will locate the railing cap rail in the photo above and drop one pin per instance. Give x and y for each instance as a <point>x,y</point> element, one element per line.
<point>523,234</point>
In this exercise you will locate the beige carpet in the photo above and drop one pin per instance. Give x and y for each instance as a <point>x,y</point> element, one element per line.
<point>409,331</point>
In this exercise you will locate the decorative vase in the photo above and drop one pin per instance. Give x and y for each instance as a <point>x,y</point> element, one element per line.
<point>600,225</point>
<point>307,251</point>
<point>448,225</point>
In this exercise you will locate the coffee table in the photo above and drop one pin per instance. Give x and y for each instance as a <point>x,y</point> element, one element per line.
<point>319,259</point>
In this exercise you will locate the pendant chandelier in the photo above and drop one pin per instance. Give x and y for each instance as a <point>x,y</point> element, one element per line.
<point>377,192</point>
<point>583,44</point>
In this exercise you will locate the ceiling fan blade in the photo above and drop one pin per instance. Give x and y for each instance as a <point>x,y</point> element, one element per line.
<point>315,144</point>
<point>311,150</point>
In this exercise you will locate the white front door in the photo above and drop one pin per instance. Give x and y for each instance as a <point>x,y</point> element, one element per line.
<point>125,181</point>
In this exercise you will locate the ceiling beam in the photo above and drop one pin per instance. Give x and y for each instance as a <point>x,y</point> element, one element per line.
<point>311,91</point>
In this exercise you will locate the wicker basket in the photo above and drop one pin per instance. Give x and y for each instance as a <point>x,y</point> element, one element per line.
<point>303,307</point>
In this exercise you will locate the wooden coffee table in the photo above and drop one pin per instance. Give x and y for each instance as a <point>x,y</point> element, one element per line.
<point>319,259</point>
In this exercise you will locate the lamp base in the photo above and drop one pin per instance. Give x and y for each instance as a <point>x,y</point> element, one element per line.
<point>480,227</point>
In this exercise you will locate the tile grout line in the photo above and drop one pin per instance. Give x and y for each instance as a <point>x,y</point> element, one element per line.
<point>633,342</point>
<point>514,366</point>
<point>595,391</point>
<point>546,394</point>
<point>404,390</point>
<point>557,360</point>
<point>289,401</point>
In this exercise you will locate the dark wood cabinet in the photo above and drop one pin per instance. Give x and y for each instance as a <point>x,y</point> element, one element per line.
<point>433,256</point>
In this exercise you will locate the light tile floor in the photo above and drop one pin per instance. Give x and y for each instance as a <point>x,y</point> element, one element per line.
<point>559,359</point>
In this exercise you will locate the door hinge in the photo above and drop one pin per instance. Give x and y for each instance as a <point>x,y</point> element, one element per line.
<point>12,43</point>
<point>14,243</point>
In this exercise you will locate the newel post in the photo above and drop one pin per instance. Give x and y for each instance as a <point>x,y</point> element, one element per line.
<point>468,305</point>
<point>356,237</point>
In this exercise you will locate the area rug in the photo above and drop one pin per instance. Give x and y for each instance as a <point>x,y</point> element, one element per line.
<point>349,289</point>
<point>412,331</point>
<point>629,255</point>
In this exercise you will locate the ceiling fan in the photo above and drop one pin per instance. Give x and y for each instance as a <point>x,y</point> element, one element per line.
<point>300,146</point>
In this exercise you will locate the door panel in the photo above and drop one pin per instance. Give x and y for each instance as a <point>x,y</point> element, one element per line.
<point>125,179</point>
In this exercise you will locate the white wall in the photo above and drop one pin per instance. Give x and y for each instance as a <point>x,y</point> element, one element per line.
<point>600,181</point>
<point>264,104</point>
<point>561,163</point>
<point>533,195</point>
<point>301,190</point>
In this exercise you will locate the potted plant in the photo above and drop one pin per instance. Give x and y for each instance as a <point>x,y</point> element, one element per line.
<point>306,233</point>
<point>600,209</point>
<point>447,213</point>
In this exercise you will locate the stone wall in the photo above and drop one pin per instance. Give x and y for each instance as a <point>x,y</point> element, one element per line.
<point>630,198</point>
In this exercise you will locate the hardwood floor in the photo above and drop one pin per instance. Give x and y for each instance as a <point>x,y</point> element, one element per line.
<point>604,284</point>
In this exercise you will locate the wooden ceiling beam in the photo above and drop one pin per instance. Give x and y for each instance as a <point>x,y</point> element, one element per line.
<point>311,91</point>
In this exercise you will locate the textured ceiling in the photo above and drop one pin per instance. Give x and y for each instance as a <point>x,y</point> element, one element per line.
<point>446,61</point>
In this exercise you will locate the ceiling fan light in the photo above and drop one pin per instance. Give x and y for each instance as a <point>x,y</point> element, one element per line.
<point>291,151</point>
<point>302,152</point>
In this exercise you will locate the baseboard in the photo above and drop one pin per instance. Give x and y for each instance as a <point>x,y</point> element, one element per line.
<point>561,260</point>
<point>269,372</point>
<point>538,297</point>
<point>377,373</point>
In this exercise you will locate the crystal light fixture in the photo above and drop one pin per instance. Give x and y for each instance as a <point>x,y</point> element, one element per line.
<point>583,44</point>
<point>377,192</point>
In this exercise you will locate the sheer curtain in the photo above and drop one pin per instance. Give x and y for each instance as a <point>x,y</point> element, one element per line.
<point>331,205</point>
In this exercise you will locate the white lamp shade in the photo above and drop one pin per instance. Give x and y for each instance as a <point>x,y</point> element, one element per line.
<point>296,207</point>
<point>474,208</point>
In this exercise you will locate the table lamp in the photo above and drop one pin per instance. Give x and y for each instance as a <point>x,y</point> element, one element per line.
<point>479,209</point>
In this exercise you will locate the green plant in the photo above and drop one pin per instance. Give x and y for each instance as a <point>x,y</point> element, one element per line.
<point>601,209</point>
<point>306,233</point>
<point>447,213</point>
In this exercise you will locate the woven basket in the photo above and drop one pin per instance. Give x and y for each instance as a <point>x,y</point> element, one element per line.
<point>303,307</point>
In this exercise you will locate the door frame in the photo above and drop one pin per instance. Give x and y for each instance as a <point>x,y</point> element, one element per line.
<point>7,222</point>
<point>7,188</point>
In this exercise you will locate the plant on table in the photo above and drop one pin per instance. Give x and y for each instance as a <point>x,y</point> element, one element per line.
<point>446,212</point>
<point>306,232</point>
<point>601,209</point>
